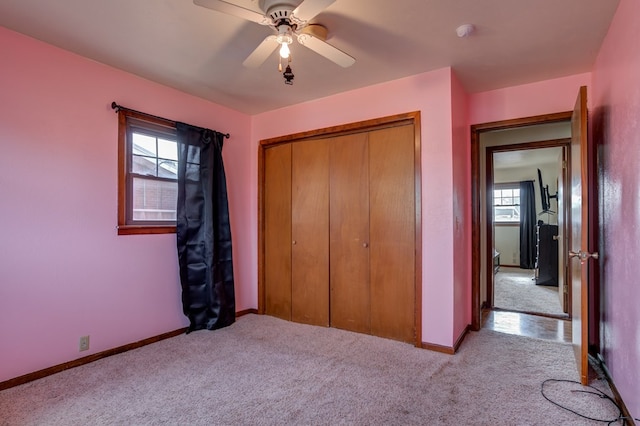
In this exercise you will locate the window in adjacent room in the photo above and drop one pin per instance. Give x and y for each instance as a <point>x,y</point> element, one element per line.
<point>506,203</point>
<point>147,174</point>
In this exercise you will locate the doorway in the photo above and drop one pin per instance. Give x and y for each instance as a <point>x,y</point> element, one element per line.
<point>581,222</point>
<point>526,133</point>
<point>525,224</point>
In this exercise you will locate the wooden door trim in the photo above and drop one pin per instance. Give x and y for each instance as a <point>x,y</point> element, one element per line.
<point>409,118</point>
<point>476,130</point>
<point>417,132</point>
<point>345,129</point>
<point>488,176</point>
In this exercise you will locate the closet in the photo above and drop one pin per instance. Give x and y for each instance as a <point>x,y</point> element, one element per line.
<point>338,230</point>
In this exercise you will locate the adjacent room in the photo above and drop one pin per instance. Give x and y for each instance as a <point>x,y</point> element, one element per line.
<point>319,211</point>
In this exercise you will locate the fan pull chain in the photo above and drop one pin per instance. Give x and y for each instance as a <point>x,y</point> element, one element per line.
<point>280,63</point>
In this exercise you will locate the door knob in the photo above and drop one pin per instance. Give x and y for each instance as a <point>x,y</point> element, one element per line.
<point>293,242</point>
<point>583,255</point>
<point>365,245</point>
<point>556,237</point>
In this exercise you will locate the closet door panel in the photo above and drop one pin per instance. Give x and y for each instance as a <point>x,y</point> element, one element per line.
<point>310,232</point>
<point>392,232</point>
<point>277,232</point>
<point>349,233</point>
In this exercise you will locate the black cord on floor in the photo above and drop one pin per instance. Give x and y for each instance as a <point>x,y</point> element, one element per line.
<point>595,391</point>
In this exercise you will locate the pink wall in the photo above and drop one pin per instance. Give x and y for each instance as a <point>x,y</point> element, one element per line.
<point>527,100</point>
<point>461,209</point>
<point>616,130</point>
<point>63,271</point>
<point>429,93</point>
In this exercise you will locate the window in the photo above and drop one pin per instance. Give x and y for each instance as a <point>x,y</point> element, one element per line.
<point>506,203</point>
<point>147,174</point>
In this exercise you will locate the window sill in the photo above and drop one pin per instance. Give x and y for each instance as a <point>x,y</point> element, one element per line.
<point>506,223</point>
<point>146,229</point>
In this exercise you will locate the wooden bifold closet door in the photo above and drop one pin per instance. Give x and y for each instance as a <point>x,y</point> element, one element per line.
<point>392,222</point>
<point>296,234</point>
<point>349,233</point>
<point>339,232</point>
<point>310,232</point>
<point>277,232</point>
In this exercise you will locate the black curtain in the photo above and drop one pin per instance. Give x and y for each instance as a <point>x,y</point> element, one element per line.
<point>203,230</point>
<point>527,225</point>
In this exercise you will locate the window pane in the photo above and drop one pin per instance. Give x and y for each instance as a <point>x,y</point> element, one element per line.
<point>144,145</point>
<point>507,203</point>
<point>167,149</point>
<point>144,165</point>
<point>154,200</point>
<point>168,169</point>
<point>506,214</point>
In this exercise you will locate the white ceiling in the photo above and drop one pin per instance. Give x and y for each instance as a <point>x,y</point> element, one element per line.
<point>529,158</point>
<point>200,51</point>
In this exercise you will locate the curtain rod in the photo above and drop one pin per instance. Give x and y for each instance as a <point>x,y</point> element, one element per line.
<point>117,108</point>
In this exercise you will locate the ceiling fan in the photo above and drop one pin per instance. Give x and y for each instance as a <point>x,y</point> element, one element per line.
<point>287,19</point>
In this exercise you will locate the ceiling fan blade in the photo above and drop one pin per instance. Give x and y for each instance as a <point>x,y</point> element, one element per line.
<point>308,9</point>
<point>232,9</point>
<point>325,49</point>
<point>261,53</point>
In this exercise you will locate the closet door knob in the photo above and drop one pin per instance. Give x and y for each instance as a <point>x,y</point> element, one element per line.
<point>365,245</point>
<point>293,242</point>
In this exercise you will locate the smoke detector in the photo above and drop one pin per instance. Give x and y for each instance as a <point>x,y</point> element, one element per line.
<point>465,30</point>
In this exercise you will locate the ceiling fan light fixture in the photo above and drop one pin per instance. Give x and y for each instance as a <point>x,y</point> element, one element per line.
<point>285,34</point>
<point>288,18</point>
<point>284,38</point>
<point>284,51</point>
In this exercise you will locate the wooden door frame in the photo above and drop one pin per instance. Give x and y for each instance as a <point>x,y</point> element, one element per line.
<point>409,118</point>
<point>476,204</point>
<point>564,144</point>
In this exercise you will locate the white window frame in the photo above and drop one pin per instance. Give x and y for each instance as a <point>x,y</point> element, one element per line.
<point>509,186</point>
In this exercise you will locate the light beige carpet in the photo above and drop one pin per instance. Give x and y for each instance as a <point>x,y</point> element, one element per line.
<point>516,290</point>
<point>265,371</point>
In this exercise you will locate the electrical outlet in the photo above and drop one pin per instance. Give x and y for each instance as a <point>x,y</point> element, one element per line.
<point>84,343</point>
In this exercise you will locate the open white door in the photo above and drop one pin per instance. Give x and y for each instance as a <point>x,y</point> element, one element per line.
<point>579,233</point>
